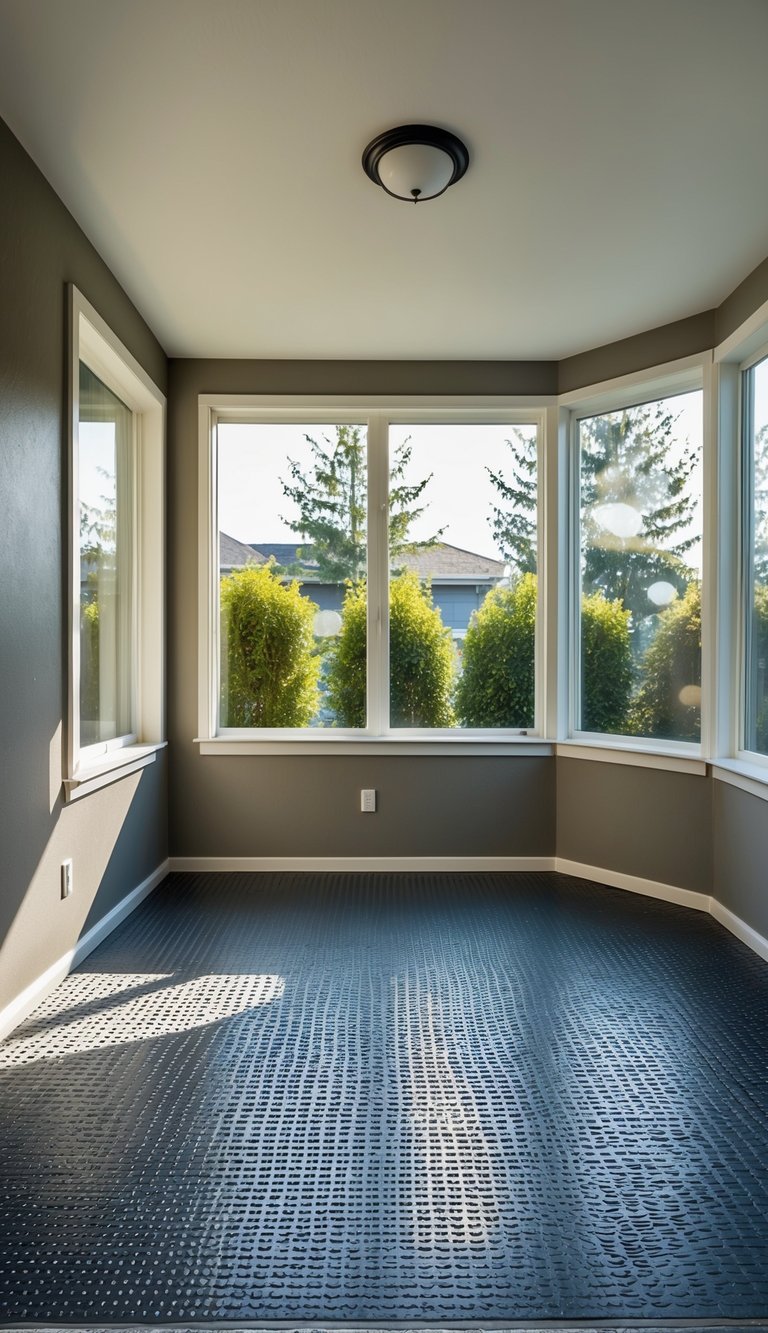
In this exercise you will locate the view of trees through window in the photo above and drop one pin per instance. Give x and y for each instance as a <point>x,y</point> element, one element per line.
<point>756,557</point>
<point>462,532</point>
<point>641,528</point>
<point>105,530</point>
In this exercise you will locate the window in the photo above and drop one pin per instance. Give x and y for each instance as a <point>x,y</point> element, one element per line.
<point>368,573</point>
<point>755,422</point>
<point>116,471</point>
<point>638,597</point>
<point>106,451</point>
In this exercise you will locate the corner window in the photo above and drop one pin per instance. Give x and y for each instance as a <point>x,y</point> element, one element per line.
<point>638,600</point>
<point>755,527</point>
<point>116,539</point>
<point>369,574</point>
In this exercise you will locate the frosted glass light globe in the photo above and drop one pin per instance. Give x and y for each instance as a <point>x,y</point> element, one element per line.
<point>415,171</point>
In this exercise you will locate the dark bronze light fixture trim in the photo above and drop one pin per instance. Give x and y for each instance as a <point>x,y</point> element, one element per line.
<point>416,136</point>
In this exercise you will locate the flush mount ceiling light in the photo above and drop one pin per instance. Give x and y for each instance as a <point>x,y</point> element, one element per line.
<point>415,162</point>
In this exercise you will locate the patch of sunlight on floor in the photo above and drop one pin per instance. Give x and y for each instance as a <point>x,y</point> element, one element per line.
<point>456,1203</point>
<point>92,1010</point>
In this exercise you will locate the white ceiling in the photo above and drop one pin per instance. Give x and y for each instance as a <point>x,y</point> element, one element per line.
<point>211,151</point>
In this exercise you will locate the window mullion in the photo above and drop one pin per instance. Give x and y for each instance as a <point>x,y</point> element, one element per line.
<point>378,575</point>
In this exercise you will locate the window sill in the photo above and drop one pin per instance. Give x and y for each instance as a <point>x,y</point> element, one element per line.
<point>114,766</point>
<point>443,745</point>
<point>610,752</point>
<point>742,774</point>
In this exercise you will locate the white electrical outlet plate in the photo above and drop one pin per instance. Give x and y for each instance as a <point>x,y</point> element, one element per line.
<point>368,800</point>
<point>66,878</point>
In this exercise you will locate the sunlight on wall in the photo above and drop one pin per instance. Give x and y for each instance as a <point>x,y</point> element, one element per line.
<point>93,1010</point>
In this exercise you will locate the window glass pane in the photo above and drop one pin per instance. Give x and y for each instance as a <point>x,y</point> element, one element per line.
<point>292,568</point>
<point>640,606</point>
<point>106,537</point>
<point>756,420</point>
<point>462,591</point>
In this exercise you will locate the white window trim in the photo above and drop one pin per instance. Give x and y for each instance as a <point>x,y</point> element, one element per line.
<point>731,762</point>
<point>555,675</point>
<point>688,374</point>
<point>378,412</point>
<point>94,343</point>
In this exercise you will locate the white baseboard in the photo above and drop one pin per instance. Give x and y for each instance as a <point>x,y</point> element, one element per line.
<point>652,888</point>
<point>361,863</point>
<point>758,943</point>
<point>19,1009</point>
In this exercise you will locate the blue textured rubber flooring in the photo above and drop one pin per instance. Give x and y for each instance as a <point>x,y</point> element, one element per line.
<point>391,1097</point>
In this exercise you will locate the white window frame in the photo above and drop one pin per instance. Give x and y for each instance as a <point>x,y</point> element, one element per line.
<point>377,414</point>
<point>91,767</point>
<point>731,763</point>
<point>685,375</point>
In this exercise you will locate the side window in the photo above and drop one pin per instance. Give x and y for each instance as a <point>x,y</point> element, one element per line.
<point>755,527</point>
<point>105,527</point>
<point>638,608</point>
<point>117,556</point>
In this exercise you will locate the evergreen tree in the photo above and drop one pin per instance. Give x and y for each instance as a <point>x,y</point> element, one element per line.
<point>332,503</point>
<point>636,507</point>
<point>760,507</point>
<point>513,521</point>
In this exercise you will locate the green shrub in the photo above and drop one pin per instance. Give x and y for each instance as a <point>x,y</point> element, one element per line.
<point>497,685</point>
<point>606,664</point>
<point>89,662</point>
<point>269,667</point>
<point>759,740</point>
<point>667,704</point>
<point>420,653</point>
<point>346,670</point>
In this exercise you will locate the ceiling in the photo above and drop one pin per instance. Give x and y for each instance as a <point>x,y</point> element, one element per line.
<point>211,151</point>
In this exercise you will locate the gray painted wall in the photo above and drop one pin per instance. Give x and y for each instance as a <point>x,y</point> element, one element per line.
<point>654,347</point>
<point>740,854</point>
<point>743,302</point>
<point>310,806</point>
<point>638,821</point>
<point>119,835</point>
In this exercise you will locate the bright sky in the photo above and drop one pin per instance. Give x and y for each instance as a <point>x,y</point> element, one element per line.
<point>96,459</point>
<point>253,459</point>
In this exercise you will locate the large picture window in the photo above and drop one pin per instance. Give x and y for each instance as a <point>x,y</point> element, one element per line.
<point>638,606</point>
<point>755,419</point>
<point>116,713</point>
<point>370,576</point>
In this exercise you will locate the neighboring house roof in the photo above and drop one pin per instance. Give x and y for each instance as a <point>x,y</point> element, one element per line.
<point>448,563</point>
<point>442,562</point>
<point>234,554</point>
<point>285,553</point>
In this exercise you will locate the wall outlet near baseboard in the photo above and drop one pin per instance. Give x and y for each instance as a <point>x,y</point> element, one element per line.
<point>368,800</point>
<point>66,878</point>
